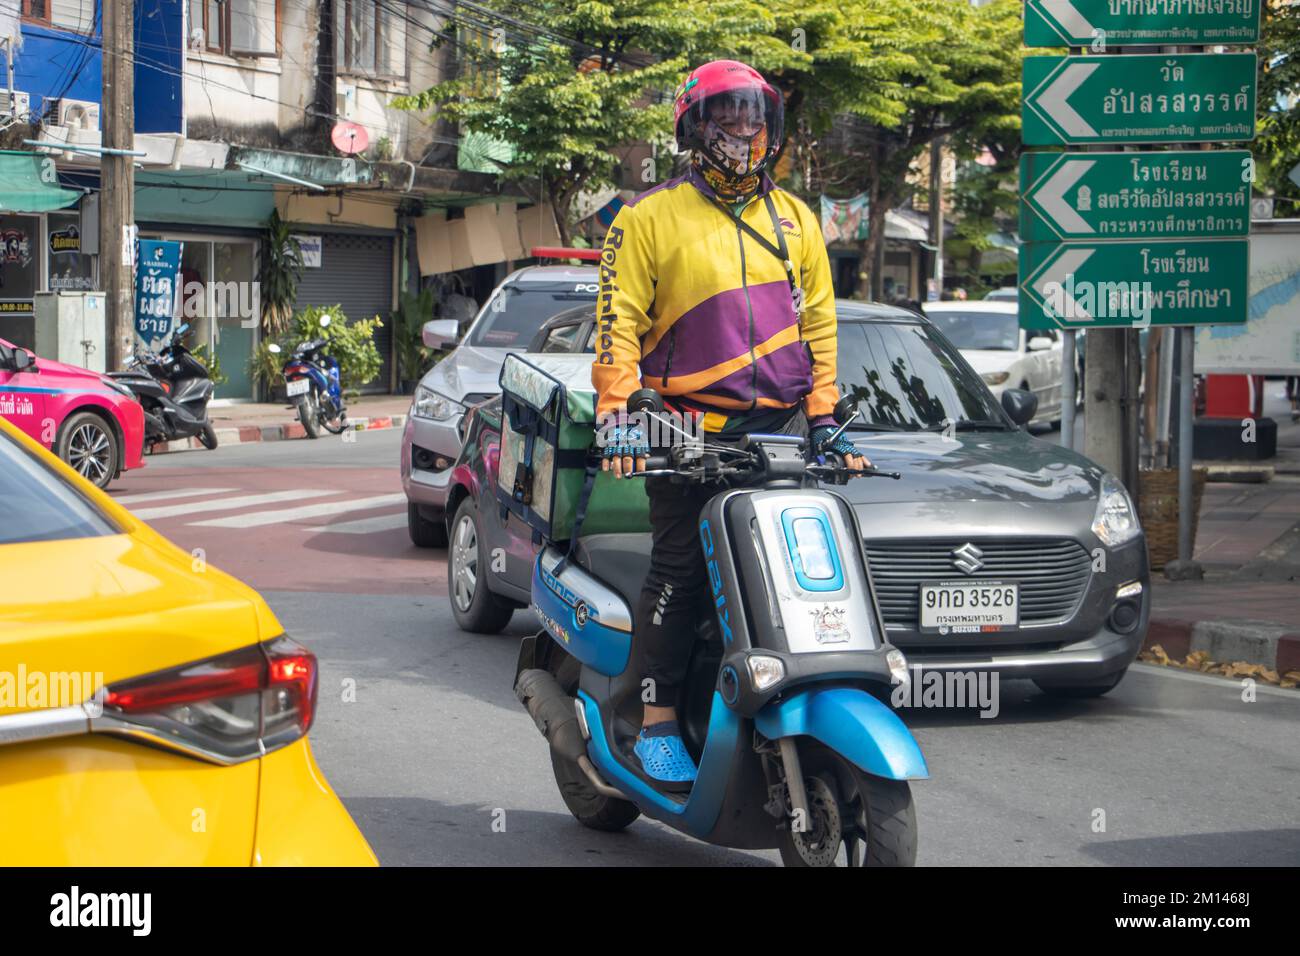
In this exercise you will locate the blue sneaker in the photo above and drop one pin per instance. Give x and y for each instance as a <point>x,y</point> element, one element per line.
<point>663,755</point>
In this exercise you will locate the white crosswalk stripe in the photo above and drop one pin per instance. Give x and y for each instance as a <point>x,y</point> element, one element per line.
<point>227,504</point>
<point>258,519</point>
<point>366,525</point>
<point>129,500</point>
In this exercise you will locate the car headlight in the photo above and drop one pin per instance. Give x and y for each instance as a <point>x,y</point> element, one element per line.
<point>995,378</point>
<point>117,387</point>
<point>1116,521</point>
<point>429,404</point>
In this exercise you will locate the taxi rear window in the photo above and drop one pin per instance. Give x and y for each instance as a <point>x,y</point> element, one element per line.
<point>36,504</point>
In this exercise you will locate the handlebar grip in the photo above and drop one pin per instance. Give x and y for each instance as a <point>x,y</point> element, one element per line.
<point>657,462</point>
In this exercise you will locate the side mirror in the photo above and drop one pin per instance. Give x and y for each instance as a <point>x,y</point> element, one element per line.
<point>645,400</point>
<point>440,333</point>
<point>22,359</point>
<point>1019,404</point>
<point>181,329</point>
<point>273,349</point>
<point>845,410</point>
<point>325,320</point>
<point>1039,343</point>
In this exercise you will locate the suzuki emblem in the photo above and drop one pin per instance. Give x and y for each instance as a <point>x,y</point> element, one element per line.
<point>967,558</point>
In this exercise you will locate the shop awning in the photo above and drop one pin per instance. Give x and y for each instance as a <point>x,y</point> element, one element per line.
<point>28,183</point>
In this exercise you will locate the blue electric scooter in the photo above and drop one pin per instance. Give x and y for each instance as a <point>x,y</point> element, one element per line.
<point>784,703</point>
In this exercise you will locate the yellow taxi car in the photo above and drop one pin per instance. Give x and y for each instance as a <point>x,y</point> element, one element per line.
<point>152,709</point>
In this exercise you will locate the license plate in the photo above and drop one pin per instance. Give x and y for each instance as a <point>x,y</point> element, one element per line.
<point>298,387</point>
<point>968,607</point>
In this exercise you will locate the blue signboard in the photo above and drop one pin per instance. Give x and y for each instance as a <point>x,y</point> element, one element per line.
<point>157,280</point>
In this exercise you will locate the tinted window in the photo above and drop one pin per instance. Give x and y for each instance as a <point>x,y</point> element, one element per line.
<point>562,338</point>
<point>906,377</point>
<point>38,505</point>
<point>514,314</point>
<point>979,330</point>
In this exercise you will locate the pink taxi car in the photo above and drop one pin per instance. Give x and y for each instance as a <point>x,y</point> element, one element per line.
<point>87,419</point>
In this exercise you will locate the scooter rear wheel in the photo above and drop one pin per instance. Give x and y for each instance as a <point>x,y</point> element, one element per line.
<point>307,414</point>
<point>588,807</point>
<point>855,819</point>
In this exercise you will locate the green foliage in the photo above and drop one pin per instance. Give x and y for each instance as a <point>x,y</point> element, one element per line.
<point>1277,147</point>
<point>414,358</point>
<point>281,267</point>
<point>212,364</point>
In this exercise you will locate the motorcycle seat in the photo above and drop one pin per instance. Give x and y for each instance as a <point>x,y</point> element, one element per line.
<point>620,560</point>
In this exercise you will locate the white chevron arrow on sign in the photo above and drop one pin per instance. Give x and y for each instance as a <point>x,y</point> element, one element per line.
<point>1051,195</point>
<point>1054,100</point>
<point>1064,13</point>
<point>1058,270</point>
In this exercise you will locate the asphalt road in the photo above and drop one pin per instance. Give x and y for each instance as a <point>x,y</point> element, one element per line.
<point>434,749</point>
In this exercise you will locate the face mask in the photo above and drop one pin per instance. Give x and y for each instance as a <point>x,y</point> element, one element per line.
<point>740,155</point>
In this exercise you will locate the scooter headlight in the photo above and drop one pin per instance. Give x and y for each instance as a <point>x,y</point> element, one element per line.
<point>429,404</point>
<point>765,671</point>
<point>897,665</point>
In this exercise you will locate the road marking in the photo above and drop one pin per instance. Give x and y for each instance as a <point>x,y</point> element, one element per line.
<point>226,504</point>
<point>164,495</point>
<point>1226,683</point>
<point>367,525</point>
<point>257,519</point>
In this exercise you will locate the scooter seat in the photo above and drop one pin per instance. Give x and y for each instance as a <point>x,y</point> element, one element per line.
<point>620,560</point>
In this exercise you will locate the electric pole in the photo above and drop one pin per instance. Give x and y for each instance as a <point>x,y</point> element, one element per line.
<point>117,180</point>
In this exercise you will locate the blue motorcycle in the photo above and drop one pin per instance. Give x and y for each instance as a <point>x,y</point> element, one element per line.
<point>785,704</point>
<point>311,382</point>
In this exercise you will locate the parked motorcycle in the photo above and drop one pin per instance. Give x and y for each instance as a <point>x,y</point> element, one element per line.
<point>783,707</point>
<point>174,388</point>
<point>312,383</point>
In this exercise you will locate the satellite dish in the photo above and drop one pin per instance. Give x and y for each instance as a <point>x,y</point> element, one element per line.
<point>349,138</point>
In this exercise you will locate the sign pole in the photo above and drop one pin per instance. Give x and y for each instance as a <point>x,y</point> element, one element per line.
<point>1186,411</point>
<point>1069,388</point>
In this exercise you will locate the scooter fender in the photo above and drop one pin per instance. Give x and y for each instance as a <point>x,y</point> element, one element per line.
<point>853,724</point>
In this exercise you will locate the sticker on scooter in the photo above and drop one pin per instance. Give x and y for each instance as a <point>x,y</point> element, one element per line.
<point>829,626</point>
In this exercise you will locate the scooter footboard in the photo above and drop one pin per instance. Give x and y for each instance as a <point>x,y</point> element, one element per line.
<point>852,723</point>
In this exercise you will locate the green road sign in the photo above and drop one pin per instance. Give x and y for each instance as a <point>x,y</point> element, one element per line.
<point>1140,22</point>
<point>1180,98</point>
<point>1080,285</point>
<point>1175,194</point>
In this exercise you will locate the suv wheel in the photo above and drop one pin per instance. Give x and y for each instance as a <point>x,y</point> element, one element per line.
<point>424,533</point>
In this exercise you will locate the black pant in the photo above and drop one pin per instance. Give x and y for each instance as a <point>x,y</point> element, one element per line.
<point>676,592</point>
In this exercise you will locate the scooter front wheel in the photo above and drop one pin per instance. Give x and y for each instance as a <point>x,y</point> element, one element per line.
<point>854,818</point>
<point>208,437</point>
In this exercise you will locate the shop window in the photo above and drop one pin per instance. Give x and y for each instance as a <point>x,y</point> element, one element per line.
<point>37,11</point>
<point>370,38</point>
<point>20,256</point>
<point>235,27</point>
<point>69,270</point>
<point>75,15</point>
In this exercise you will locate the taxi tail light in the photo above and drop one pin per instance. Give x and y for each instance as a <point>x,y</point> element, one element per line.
<point>228,708</point>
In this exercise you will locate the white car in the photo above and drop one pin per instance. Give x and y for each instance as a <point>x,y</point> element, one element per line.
<point>989,337</point>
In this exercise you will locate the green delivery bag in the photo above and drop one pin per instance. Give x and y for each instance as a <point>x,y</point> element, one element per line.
<point>548,434</point>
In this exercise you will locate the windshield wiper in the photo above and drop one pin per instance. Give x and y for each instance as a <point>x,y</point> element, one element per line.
<point>968,425</point>
<point>877,427</point>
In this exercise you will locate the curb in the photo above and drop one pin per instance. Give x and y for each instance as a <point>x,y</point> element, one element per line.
<point>247,434</point>
<point>1274,646</point>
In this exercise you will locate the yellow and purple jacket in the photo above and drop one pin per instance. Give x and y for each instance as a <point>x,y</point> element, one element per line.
<point>707,312</point>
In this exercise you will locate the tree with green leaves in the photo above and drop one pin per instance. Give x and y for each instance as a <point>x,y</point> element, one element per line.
<point>1277,147</point>
<point>574,81</point>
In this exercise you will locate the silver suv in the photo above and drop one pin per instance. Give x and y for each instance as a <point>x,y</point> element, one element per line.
<point>517,308</point>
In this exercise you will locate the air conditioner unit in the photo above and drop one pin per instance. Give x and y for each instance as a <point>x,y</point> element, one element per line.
<point>15,103</point>
<point>78,114</point>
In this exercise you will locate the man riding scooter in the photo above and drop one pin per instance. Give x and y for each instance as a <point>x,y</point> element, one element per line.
<point>717,284</point>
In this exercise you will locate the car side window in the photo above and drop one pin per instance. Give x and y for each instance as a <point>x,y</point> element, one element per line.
<point>36,504</point>
<point>561,338</point>
<point>591,339</point>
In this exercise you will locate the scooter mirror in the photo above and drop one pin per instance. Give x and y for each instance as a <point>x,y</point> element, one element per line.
<point>325,320</point>
<point>181,329</point>
<point>645,400</point>
<point>273,349</point>
<point>846,409</point>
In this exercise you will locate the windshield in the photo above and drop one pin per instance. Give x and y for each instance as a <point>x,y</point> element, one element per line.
<point>38,505</point>
<point>513,316</point>
<point>997,331</point>
<point>907,378</point>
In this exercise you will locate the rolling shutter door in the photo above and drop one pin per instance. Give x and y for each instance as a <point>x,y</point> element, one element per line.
<point>356,272</point>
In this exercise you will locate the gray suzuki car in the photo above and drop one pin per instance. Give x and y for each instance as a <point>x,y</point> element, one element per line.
<point>981,504</point>
<point>517,308</point>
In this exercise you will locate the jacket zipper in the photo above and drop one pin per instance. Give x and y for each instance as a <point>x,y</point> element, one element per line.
<point>672,344</point>
<point>749,304</point>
